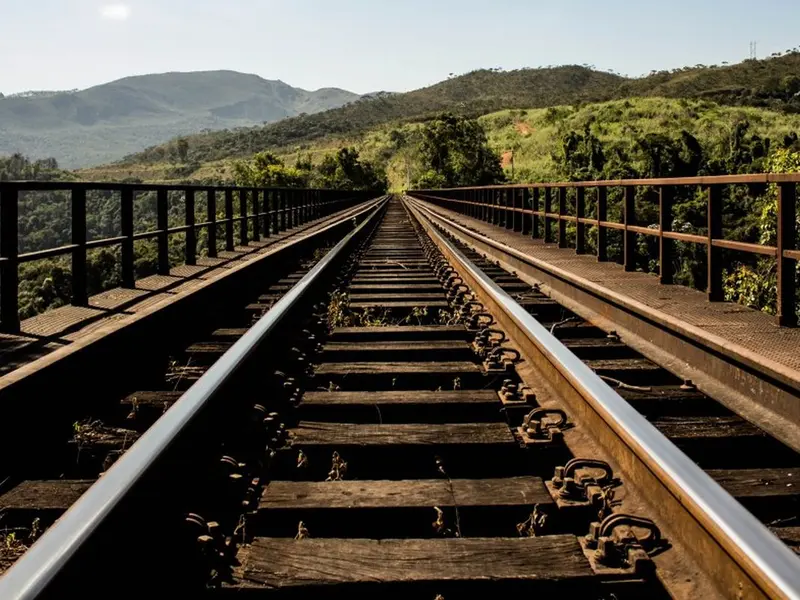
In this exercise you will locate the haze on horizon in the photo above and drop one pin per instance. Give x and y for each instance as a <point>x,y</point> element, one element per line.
<point>372,45</point>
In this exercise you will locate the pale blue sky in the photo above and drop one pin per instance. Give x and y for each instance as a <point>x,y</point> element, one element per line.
<point>370,45</point>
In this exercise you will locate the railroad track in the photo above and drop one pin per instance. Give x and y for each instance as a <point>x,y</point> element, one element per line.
<point>384,427</point>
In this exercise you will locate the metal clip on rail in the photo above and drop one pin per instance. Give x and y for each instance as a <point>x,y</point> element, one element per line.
<point>487,339</point>
<point>612,546</point>
<point>583,486</point>
<point>215,552</point>
<point>517,400</point>
<point>501,360</point>
<point>543,426</point>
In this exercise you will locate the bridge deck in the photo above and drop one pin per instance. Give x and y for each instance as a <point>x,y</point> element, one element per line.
<point>54,329</point>
<point>741,330</point>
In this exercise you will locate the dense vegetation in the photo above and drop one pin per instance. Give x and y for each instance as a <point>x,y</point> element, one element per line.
<point>45,222</point>
<point>375,143</point>
<point>343,170</point>
<point>771,83</point>
<point>108,121</point>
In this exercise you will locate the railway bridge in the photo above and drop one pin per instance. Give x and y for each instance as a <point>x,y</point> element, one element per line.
<point>430,394</point>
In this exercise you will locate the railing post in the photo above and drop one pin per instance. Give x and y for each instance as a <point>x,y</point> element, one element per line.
<point>190,256</point>
<point>283,200</point>
<point>562,224</point>
<point>243,217</point>
<point>665,251</point>
<point>255,217</point>
<point>602,216</point>
<point>580,213</point>
<point>535,218</point>
<point>787,286</point>
<point>629,237</point>
<point>714,283</point>
<point>9,250</point>
<point>265,210</point>
<point>509,212</point>
<point>211,217</point>
<point>516,217</point>
<point>276,206</point>
<point>229,245</point>
<point>162,223</point>
<point>79,291</point>
<point>548,209</point>
<point>126,219</point>
<point>526,205</point>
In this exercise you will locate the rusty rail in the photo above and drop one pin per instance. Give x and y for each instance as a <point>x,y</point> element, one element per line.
<point>717,527</point>
<point>266,211</point>
<point>519,207</point>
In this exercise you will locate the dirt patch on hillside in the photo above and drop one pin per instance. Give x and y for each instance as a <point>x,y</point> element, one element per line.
<point>523,128</point>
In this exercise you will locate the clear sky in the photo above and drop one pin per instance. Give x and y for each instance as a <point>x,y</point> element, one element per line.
<point>372,45</point>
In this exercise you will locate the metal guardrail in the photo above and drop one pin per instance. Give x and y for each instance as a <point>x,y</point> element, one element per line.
<point>32,573</point>
<point>766,559</point>
<point>262,212</point>
<point>519,207</point>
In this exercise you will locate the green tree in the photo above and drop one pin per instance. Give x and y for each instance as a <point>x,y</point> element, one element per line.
<point>455,152</point>
<point>182,149</point>
<point>267,170</point>
<point>345,170</point>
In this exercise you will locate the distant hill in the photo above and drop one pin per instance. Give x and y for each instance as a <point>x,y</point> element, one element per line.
<point>475,93</point>
<point>104,123</point>
<point>766,83</point>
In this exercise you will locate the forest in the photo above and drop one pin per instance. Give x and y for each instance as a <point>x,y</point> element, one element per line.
<point>772,83</point>
<point>635,137</point>
<point>45,219</point>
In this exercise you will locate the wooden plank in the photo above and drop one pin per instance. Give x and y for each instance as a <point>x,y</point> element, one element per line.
<point>231,332</point>
<point>379,350</point>
<point>395,280</point>
<point>396,368</point>
<point>147,398</point>
<point>749,483</point>
<point>411,397</point>
<point>310,433</point>
<point>689,427</point>
<point>400,304</point>
<point>209,347</point>
<point>400,287</point>
<point>417,297</point>
<point>284,563</point>
<point>388,271</point>
<point>57,494</point>
<point>515,286</point>
<point>402,332</point>
<point>596,348</point>
<point>423,275</point>
<point>418,493</point>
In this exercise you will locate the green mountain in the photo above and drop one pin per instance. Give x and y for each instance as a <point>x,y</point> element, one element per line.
<point>773,83</point>
<point>104,123</point>
<point>475,93</point>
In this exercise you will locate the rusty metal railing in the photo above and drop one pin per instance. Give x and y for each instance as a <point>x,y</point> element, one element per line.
<point>262,212</point>
<point>519,207</point>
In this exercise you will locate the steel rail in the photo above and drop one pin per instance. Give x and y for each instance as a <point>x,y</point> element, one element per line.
<point>32,573</point>
<point>773,567</point>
